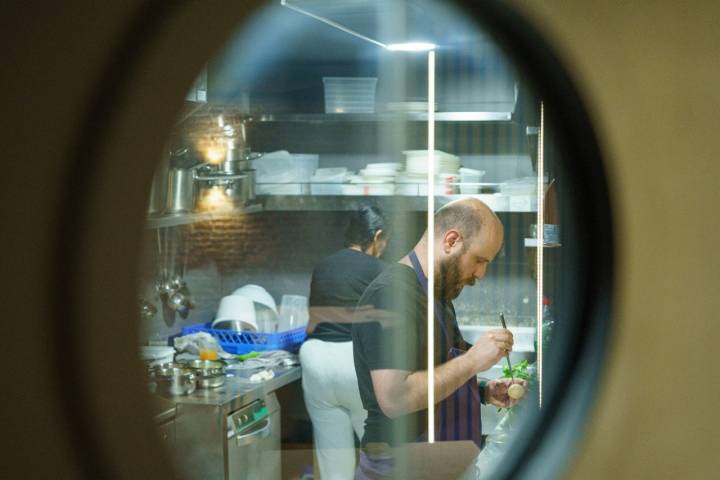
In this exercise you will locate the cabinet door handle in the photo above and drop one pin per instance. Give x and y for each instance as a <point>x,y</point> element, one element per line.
<point>262,431</point>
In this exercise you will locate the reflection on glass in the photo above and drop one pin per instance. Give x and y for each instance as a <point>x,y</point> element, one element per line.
<point>370,152</point>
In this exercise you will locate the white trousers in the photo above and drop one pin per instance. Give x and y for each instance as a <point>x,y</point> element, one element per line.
<point>332,398</point>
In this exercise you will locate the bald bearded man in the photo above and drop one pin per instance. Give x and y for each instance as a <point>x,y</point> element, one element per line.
<point>390,341</point>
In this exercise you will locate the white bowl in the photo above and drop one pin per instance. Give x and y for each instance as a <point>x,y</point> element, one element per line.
<point>258,294</point>
<point>236,308</point>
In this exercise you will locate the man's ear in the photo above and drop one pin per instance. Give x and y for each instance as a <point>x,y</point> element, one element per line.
<point>452,237</point>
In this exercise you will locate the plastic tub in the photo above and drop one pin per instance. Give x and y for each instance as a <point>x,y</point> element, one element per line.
<point>285,167</point>
<point>349,94</point>
<point>468,178</point>
<point>329,175</point>
<point>328,181</point>
<point>304,165</point>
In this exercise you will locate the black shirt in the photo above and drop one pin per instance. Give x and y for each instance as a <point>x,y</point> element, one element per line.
<point>337,284</point>
<point>390,332</point>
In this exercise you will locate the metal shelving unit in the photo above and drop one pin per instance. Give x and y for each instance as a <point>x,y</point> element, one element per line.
<point>178,219</point>
<point>533,243</point>
<point>499,203</point>
<point>385,117</point>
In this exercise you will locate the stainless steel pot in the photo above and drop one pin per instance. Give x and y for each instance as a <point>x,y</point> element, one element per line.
<point>159,189</point>
<point>174,380</point>
<point>248,185</point>
<point>235,161</point>
<point>181,191</point>
<point>206,367</point>
<point>237,189</point>
<point>211,381</point>
<point>241,190</point>
<point>210,374</point>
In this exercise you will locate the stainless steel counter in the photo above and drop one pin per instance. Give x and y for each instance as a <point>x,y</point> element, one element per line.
<point>236,392</point>
<point>202,429</point>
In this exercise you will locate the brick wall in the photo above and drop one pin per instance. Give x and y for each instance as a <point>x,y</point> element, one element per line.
<point>248,241</point>
<point>276,250</point>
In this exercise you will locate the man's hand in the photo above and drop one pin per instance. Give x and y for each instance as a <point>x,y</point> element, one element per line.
<point>496,392</point>
<point>491,347</point>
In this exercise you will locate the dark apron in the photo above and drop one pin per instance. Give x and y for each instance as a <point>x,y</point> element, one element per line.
<point>458,416</point>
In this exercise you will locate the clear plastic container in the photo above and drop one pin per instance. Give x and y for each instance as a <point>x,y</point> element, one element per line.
<point>293,312</point>
<point>284,167</point>
<point>350,94</point>
<point>470,179</point>
<point>328,181</point>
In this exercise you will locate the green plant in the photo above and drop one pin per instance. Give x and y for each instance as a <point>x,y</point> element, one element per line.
<point>519,370</point>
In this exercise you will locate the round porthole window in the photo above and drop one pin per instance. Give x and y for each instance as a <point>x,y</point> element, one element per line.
<point>329,166</point>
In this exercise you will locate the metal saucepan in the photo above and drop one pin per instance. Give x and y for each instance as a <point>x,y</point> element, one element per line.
<point>210,374</point>
<point>206,367</point>
<point>211,381</point>
<point>174,380</point>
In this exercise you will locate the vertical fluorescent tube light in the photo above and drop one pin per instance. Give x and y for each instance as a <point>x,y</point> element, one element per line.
<point>540,229</point>
<point>431,247</point>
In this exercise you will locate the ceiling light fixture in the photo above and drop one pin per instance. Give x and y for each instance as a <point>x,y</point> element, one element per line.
<point>411,47</point>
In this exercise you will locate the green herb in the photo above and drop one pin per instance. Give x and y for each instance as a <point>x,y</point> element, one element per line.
<point>519,370</point>
<point>246,356</point>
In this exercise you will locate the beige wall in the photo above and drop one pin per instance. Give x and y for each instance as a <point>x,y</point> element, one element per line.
<point>651,74</point>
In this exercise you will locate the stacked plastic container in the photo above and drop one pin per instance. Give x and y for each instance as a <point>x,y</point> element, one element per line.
<point>284,173</point>
<point>349,94</point>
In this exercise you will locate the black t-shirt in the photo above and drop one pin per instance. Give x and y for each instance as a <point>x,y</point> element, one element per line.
<point>337,284</point>
<point>390,332</point>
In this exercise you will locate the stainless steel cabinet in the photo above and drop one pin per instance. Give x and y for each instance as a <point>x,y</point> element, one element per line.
<point>167,433</point>
<point>222,442</point>
<point>254,453</point>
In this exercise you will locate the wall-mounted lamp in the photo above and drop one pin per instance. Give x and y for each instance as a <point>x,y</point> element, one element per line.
<point>214,199</point>
<point>214,154</point>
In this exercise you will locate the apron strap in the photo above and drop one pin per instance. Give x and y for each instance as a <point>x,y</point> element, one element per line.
<point>423,281</point>
<point>458,416</point>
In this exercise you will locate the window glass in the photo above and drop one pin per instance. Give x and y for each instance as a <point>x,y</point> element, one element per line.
<point>285,317</point>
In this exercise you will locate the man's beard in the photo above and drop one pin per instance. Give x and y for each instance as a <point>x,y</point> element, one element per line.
<point>448,285</point>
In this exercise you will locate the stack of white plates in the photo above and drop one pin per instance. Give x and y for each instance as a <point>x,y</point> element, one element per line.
<point>389,169</point>
<point>374,179</point>
<point>417,162</point>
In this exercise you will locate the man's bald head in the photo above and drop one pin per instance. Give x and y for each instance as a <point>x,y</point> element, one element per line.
<point>468,236</point>
<point>468,216</point>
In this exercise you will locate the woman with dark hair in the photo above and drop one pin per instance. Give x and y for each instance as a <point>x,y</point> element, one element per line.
<point>329,381</point>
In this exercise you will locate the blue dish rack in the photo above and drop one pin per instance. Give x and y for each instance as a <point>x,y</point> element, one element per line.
<point>244,342</point>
